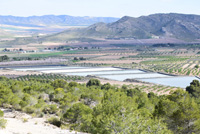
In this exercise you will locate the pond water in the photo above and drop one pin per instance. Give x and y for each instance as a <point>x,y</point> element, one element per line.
<point>107,72</point>
<point>46,68</point>
<point>182,82</point>
<point>122,77</point>
<point>118,74</point>
<point>80,70</point>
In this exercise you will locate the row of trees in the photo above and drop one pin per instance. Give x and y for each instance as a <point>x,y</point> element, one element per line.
<point>4,58</point>
<point>103,108</point>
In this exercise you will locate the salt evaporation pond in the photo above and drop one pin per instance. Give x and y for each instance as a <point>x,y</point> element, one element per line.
<point>46,68</point>
<point>182,82</point>
<point>81,70</point>
<point>123,77</point>
<point>107,72</point>
<point>118,74</point>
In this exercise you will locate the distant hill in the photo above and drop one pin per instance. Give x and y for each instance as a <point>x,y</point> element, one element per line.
<point>179,26</point>
<point>165,27</point>
<point>5,34</point>
<point>48,20</point>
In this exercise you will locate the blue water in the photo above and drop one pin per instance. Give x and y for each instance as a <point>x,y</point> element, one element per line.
<point>182,82</point>
<point>122,77</point>
<point>98,73</point>
<point>47,68</point>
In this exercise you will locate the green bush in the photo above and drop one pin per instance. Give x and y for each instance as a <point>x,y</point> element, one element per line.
<point>3,123</point>
<point>29,110</point>
<point>197,66</point>
<point>25,120</point>
<point>93,82</point>
<point>51,109</point>
<point>1,113</point>
<point>55,121</point>
<point>73,84</point>
<point>106,86</point>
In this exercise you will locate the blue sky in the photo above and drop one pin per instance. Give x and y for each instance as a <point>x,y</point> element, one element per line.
<point>110,8</point>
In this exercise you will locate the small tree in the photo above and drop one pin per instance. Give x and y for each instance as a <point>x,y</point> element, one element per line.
<point>93,82</point>
<point>197,66</point>
<point>79,116</point>
<point>194,88</point>
<point>76,58</point>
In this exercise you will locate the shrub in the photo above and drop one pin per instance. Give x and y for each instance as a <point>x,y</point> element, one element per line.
<point>23,103</point>
<point>59,83</point>
<point>55,121</point>
<point>3,123</point>
<point>73,84</point>
<point>79,116</point>
<point>29,110</point>
<point>197,66</point>
<point>51,109</point>
<point>1,113</point>
<point>93,82</point>
<point>106,86</point>
<point>25,120</point>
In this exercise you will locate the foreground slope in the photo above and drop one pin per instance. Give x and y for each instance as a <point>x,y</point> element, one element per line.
<point>16,124</point>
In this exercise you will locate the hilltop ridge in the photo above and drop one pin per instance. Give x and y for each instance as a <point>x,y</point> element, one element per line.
<point>179,26</point>
<point>46,20</point>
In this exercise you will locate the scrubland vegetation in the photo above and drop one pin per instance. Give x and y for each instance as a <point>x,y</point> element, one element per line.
<point>105,109</point>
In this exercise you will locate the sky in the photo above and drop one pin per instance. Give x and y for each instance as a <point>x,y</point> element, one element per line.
<point>97,8</point>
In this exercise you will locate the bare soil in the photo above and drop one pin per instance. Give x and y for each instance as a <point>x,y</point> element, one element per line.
<point>109,61</point>
<point>16,124</point>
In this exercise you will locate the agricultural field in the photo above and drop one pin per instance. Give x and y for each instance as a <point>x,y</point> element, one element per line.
<point>156,89</point>
<point>49,77</point>
<point>178,61</point>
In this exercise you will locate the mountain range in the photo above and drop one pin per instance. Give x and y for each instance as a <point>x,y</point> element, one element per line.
<point>179,26</point>
<point>49,20</point>
<point>183,27</point>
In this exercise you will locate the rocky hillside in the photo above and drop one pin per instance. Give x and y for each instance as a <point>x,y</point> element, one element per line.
<point>163,26</point>
<point>168,25</point>
<point>180,26</point>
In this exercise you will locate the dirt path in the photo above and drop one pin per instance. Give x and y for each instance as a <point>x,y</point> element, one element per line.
<point>13,73</point>
<point>184,66</point>
<point>192,66</point>
<point>15,125</point>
